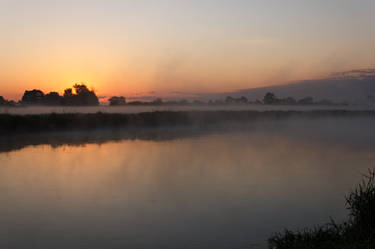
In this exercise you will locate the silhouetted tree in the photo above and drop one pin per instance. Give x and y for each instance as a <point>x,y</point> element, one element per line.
<point>229,100</point>
<point>52,98</point>
<point>68,93</point>
<point>269,98</point>
<point>242,100</point>
<point>83,96</point>
<point>68,97</point>
<point>81,89</point>
<point>2,101</point>
<point>34,97</point>
<point>117,101</point>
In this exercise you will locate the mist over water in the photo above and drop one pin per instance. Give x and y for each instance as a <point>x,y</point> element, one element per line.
<point>139,109</point>
<point>225,188</point>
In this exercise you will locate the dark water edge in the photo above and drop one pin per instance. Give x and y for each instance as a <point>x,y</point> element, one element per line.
<point>15,124</point>
<point>12,142</point>
<point>19,131</point>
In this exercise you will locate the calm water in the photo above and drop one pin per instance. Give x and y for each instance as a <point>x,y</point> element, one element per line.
<point>219,190</point>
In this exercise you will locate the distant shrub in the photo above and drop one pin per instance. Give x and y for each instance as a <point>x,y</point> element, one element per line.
<point>113,101</point>
<point>4,102</point>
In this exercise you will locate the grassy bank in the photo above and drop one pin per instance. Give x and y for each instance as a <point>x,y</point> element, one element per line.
<point>357,233</point>
<point>78,121</point>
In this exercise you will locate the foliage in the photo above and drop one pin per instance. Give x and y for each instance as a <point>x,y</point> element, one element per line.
<point>82,121</point>
<point>4,102</point>
<point>117,100</point>
<point>231,100</point>
<point>33,97</point>
<point>82,97</point>
<point>52,98</point>
<point>269,98</point>
<point>357,232</point>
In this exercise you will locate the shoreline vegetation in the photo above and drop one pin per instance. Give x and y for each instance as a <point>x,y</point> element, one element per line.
<point>358,232</point>
<point>16,124</point>
<point>80,95</point>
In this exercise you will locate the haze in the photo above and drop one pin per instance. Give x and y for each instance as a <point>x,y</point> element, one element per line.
<point>179,48</point>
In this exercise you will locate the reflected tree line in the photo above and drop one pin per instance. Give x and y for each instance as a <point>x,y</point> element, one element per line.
<point>80,95</point>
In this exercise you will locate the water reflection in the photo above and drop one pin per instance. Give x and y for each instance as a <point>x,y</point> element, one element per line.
<point>214,190</point>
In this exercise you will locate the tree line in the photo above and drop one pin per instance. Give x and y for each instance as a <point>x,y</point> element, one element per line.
<point>268,99</point>
<point>80,95</point>
<point>271,99</point>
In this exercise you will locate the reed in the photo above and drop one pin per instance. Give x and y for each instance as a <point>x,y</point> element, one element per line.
<point>358,232</point>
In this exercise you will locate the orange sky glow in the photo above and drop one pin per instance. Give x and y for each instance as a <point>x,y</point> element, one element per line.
<point>161,48</point>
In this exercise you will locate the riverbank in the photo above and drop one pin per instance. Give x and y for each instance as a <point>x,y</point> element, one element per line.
<point>28,110</point>
<point>15,124</point>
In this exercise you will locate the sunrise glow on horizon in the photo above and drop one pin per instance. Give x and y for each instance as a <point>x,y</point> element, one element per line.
<point>179,48</point>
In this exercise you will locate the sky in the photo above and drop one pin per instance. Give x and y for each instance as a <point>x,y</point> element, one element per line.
<point>179,48</point>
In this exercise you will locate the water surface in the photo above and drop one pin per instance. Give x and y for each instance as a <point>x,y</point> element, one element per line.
<point>220,190</point>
